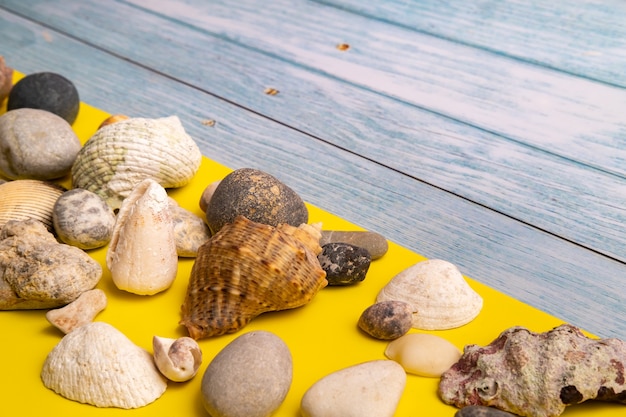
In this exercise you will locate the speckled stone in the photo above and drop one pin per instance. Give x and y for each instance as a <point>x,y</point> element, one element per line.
<point>481,411</point>
<point>256,195</point>
<point>83,219</point>
<point>387,320</point>
<point>344,264</point>
<point>250,377</point>
<point>36,144</point>
<point>375,243</point>
<point>46,91</point>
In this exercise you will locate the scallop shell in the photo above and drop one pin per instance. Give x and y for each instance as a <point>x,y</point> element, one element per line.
<point>438,292</point>
<point>120,155</point>
<point>28,199</point>
<point>142,253</point>
<point>248,268</point>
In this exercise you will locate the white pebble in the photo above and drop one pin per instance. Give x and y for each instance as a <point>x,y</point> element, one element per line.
<point>369,389</point>
<point>423,354</point>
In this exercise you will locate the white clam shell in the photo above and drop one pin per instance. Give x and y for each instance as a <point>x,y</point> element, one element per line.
<point>142,253</point>
<point>98,365</point>
<point>438,292</point>
<point>120,155</point>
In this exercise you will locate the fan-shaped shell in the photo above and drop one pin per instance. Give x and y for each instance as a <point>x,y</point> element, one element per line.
<point>120,155</point>
<point>248,268</point>
<point>438,292</point>
<point>28,199</point>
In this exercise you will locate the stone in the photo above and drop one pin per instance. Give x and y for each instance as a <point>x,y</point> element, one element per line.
<point>36,144</point>
<point>344,264</point>
<point>6,79</point>
<point>387,320</point>
<point>207,194</point>
<point>249,377</point>
<point>373,242</point>
<point>256,195</point>
<point>481,411</point>
<point>369,389</point>
<point>423,354</point>
<point>83,219</point>
<point>46,91</point>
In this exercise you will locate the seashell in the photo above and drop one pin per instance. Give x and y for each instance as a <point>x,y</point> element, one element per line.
<point>248,268</point>
<point>142,252</point>
<point>28,199</point>
<point>537,374</point>
<point>438,292</point>
<point>121,155</point>
<point>97,364</point>
<point>177,359</point>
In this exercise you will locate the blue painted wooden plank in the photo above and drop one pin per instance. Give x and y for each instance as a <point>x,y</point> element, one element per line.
<point>587,37</point>
<point>540,269</point>
<point>550,192</point>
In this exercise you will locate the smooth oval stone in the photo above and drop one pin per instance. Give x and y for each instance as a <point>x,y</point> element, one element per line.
<point>344,264</point>
<point>373,242</point>
<point>423,354</point>
<point>207,194</point>
<point>83,219</point>
<point>256,195</point>
<point>369,389</point>
<point>481,411</point>
<point>46,91</point>
<point>36,144</point>
<point>387,320</point>
<point>250,377</point>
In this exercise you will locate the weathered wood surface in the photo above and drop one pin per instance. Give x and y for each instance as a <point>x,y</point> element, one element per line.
<point>467,133</point>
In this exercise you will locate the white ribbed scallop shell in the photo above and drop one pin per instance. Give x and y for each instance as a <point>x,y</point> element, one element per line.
<point>438,292</point>
<point>120,155</point>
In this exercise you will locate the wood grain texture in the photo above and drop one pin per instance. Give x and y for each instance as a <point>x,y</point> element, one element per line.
<point>170,67</point>
<point>564,196</point>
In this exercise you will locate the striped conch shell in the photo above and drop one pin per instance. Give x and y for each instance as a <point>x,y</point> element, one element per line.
<point>142,253</point>
<point>120,155</point>
<point>248,268</point>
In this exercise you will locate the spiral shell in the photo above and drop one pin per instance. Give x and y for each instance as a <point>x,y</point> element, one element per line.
<point>248,268</point>
<point>120,155</point>
<point>28,199</point>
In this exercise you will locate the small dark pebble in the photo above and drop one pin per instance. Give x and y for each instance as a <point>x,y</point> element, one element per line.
<point>482,411</point>
<point>387,320</point>
<point>46,91</point>
<point>344,264</point>
<point>256,195</point>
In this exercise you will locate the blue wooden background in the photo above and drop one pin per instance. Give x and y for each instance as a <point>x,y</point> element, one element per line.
<point>491,134</point>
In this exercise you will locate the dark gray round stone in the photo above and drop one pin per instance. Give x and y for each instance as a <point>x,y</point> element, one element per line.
<point>46,91</point>
<point>344,264</point>
<point>256,195</point>
<point>387,320</point>
<point>481,411</point>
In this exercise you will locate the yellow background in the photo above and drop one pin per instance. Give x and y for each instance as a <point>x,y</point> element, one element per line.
<point>323,336</point>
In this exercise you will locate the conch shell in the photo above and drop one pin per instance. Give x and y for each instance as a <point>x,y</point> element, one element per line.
<point>537,374</point>
<point>121,155</point>
<point>248,268</point>
<point>28,199</point>
<point>142,253</point>
<point>437,291</point>
<point>97,364</point>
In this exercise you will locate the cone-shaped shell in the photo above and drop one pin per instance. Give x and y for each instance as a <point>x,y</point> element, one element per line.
<point>98,365</point>
<point>142,253</point>
<point>28,199</point>
<point>120,155</point>
<point>438,292</point>
<point>248,268</point>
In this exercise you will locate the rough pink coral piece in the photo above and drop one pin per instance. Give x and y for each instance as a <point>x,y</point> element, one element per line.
<point>537,374</point>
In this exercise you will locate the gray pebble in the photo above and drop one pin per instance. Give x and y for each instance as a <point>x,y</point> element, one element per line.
<point>36,144</point>
<point>190,231</point>
<point>482,411</point>
<point>375,243</point>
<point>256,195</point>
<point>250,377</point>
<point>344,264</point>
<point>83,219</point>
<point>387,320</point>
